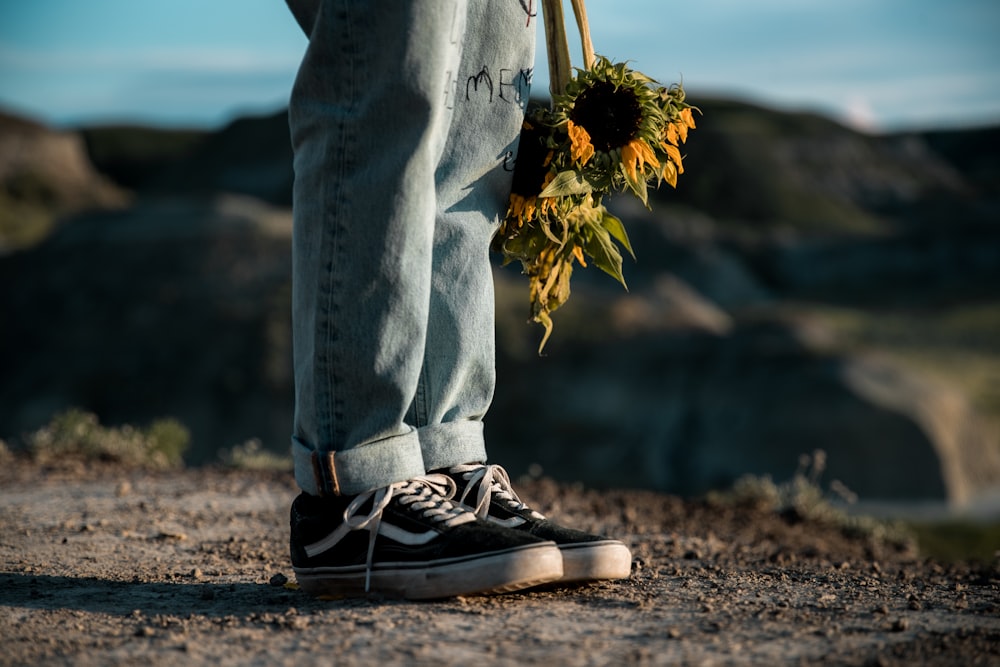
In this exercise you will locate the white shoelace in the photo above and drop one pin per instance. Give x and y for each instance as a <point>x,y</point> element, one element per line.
<point>492,481</point>
<point>429,495</point>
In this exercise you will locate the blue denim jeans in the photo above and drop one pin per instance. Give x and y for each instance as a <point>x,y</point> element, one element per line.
<point>404,116</point>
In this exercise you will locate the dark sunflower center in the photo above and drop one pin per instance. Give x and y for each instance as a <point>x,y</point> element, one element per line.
<point>529,172</point>
<point>611,117</point>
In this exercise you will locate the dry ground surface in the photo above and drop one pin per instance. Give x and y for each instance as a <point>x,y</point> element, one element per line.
<point>102,566</point>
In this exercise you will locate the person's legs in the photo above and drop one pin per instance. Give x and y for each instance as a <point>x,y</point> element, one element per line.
<point>368,123</point>
<point>488,94</point>
<point>370,113</point>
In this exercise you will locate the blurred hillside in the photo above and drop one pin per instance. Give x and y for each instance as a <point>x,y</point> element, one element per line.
<point>805,287</point>
<point>45,175</point>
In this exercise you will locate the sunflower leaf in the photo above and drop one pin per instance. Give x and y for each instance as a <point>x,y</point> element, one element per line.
<point>547,230</point>
<point>567,183</point>
<point>616,228</point>
<point>605,254</point>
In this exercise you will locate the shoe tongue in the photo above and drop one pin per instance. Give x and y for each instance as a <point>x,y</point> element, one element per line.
<point>465,471</point>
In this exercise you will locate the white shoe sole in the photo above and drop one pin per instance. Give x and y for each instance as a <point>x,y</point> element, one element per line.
<point>496,572</point>
<point>592,561</point>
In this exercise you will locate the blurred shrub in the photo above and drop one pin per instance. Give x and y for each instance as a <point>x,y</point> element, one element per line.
<point>251,455</point>
<point>959,540</point>
<point>26,210</point>
<point>77,434</point>
<point>802,498</point>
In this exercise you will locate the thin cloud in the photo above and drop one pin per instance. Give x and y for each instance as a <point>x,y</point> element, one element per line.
<point>227,60</point>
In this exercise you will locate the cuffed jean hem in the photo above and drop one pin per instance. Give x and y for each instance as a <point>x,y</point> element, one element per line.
<point>360,469</point>
<point>452,443</point>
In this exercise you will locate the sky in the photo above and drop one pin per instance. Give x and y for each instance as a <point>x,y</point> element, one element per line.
<point>878,65</point>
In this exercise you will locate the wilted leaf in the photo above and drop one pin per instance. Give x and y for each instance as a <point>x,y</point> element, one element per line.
<point>617,231</point>
<point>567,183</point>
<point>605,253</point>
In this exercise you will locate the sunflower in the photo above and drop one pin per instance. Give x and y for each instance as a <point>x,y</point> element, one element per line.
<point>609,113</point>
<point>614,117</point>
<point>532,173</point>
<point>611,130</point>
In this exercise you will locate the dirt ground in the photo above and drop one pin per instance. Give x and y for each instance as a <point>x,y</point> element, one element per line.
<point>104,566</point>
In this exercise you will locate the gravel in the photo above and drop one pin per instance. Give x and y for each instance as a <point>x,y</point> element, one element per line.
<point>108,566</point>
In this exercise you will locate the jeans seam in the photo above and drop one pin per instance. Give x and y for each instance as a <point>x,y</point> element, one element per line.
<point>420,398</point>
<point>334,404</point>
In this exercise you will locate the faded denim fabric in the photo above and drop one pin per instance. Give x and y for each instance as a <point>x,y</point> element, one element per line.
<point>404,119</point>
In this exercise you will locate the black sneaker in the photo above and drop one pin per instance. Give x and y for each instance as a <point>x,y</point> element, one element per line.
<point>407,540</point>
<point>486,490</point>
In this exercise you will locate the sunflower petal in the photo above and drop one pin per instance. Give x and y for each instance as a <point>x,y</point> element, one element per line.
<point>688,117</point>
<point>682,131</point>
<point>581,148</point>
<point>674,153</point>
<point>668,172</point>
<point>672,135</point>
